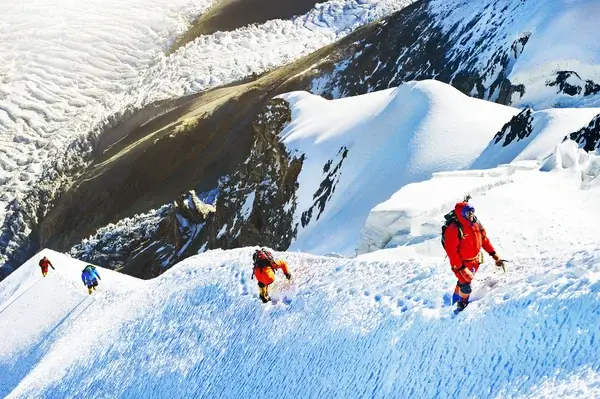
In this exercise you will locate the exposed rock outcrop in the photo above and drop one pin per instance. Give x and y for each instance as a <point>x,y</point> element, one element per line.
<point>569,82</point>
<point>518,128</point>
<point>588,137</point>
<point>256,204</point>
<point>145,245</point>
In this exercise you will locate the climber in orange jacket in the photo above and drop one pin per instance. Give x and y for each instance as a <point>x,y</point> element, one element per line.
<point>463,241</point>
<point>264,267</point>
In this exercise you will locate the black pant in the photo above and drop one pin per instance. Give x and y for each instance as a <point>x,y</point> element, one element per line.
<point>93,283</point>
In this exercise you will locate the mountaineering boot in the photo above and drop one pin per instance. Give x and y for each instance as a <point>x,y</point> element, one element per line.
<point>267,298</point>
<point>94,287</point>
<point>461,305</point>
<point>90,291</point>
<point>263,294</point>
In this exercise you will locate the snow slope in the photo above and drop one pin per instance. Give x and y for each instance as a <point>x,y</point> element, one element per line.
<point>68,66</point>
<point>393,137</point>
<point>548,129</point>
<point>376,326</point>
<point>411,219</point>
<point>560,38</point>
<point>34,311</point>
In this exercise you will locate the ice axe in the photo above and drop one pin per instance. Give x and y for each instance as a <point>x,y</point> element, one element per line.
<point>503,262</point>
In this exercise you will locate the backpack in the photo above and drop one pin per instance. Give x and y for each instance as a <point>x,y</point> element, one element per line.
<point>262,258</point>
<point>451,218</point>
<point>90,268</point>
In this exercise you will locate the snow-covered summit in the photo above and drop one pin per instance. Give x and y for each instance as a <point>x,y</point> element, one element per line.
<point>360,150</point>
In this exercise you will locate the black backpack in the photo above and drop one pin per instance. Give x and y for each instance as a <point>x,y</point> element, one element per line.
<point>262,258</point>
<point>451,218</point>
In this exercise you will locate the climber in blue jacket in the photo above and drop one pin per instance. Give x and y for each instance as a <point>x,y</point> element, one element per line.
<point>90,278</point>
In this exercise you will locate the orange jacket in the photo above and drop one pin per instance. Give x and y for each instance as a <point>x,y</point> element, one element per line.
<point>266,275</point>
<point>468,247</point>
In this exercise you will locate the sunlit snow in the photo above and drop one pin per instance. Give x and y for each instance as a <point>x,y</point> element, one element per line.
<point>377,326</point>
<point>67,66</point>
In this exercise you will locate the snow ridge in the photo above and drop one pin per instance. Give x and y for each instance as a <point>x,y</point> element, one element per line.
<point>386,319</point>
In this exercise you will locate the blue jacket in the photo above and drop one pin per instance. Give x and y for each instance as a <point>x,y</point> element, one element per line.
<point>88,276</point>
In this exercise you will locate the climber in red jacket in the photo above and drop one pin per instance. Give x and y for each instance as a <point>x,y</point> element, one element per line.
<point>44,263</point>
<point>463,241</point>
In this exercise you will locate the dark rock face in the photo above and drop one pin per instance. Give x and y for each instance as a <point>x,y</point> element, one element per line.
<point>588,137</point>
<point>326,188</point>
<point>518,128</point>
<point>413,45</point>
<point>145,245</point>
<point>256,204</point>
<point>569,82</point>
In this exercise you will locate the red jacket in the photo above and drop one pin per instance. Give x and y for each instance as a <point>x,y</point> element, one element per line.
<point>468,247</point>
<point>44,263</point>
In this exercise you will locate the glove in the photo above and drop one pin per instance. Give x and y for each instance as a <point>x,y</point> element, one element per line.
<point>499,262</point>
<point>467,275</point>
<point>464,273</point>
<point>288,275</point>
